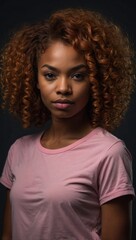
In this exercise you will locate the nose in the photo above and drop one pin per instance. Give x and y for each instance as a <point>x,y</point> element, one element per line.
<point>64,87</point>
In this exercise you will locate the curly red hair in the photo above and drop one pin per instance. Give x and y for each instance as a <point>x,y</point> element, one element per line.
<point>108,56</point>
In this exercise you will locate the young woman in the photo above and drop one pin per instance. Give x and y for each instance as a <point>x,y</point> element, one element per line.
<point>74,180</point>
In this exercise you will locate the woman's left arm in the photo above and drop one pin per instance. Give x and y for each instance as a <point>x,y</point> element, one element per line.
<point>116,219</point>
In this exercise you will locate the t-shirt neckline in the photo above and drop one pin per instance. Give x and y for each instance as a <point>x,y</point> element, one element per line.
<point>70,146</point>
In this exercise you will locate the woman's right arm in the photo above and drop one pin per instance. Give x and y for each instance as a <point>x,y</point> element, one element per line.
<point>7,232</point>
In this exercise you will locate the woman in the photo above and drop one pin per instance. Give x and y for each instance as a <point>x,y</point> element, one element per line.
<point>74,180</point>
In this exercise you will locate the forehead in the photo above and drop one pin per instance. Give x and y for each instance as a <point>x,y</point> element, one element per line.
<point>60,53</point>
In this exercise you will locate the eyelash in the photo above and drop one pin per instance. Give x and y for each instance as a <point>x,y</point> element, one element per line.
<point>79,76</point>
<point>76,76</point>
<point>50,76</point>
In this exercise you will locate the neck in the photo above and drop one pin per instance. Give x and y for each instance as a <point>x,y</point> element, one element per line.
<point>76,127</point>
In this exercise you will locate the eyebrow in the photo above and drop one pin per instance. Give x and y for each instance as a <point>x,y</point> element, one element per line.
<point>71,69</point>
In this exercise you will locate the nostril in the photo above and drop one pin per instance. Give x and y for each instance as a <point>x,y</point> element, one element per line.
<point>67,91</point>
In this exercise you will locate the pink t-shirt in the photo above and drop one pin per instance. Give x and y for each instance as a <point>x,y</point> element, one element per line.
<point>57,194</point>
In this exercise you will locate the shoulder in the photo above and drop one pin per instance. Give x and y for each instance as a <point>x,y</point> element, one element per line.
<point>111,150</point>
<point>105,136</point>
<point>26,141</point>
<point>23,148</point>
<point>115,156</point>
<point>109,142</point>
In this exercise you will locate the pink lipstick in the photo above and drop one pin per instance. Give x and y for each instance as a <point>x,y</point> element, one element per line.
<point>62,103</point>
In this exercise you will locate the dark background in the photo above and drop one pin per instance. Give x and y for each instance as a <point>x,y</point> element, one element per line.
<point>15,13</point>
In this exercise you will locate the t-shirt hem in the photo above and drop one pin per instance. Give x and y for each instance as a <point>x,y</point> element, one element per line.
<point>116,195</point>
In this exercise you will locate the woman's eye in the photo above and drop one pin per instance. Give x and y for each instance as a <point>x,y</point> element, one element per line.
<point>50,76</point>
<point>78,76</point>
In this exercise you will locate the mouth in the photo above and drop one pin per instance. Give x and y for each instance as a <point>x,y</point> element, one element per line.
<point>62,103</point>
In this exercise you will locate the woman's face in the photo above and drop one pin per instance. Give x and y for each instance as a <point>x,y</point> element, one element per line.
<point>63,81</point>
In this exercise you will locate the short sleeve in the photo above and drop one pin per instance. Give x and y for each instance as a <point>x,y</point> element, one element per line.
<point>7,175</point>
<point>115,175</point>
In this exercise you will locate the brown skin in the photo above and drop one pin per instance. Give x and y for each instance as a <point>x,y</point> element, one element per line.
<point>67,83</point>
<point>116,219</point>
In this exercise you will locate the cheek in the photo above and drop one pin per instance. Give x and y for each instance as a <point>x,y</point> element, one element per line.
<point>43,93</point>
<point>44,97</point>
<point>46,92</point>
<point>84,95</point>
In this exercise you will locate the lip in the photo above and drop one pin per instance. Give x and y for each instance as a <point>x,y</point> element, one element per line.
<point>62,103</point>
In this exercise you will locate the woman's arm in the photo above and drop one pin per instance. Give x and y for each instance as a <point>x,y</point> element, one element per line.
<point>7,235</point>
<point>116,219</point>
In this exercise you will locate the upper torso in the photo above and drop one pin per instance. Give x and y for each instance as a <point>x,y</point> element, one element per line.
<point>57,194</point>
